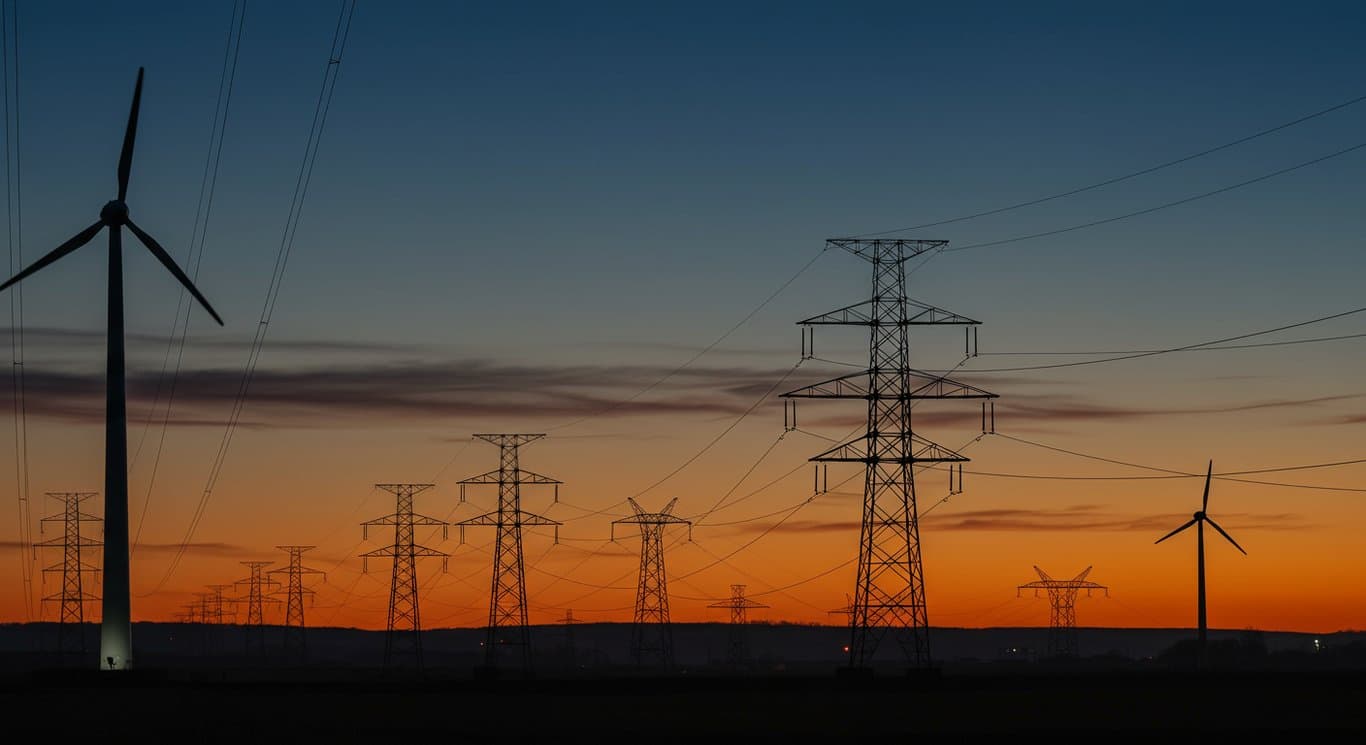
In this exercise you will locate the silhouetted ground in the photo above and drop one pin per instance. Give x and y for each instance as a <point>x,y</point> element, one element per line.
<point>1253,688</point>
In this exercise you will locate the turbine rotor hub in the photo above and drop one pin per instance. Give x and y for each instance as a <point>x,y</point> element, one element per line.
<point>1199,515</point>
<point>115,212</point>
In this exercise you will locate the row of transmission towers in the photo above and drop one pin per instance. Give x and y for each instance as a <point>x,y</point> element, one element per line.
<point>262,587</point>
<point>507,643</point>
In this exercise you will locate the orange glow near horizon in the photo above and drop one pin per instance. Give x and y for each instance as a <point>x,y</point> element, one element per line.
<point>977,546</point>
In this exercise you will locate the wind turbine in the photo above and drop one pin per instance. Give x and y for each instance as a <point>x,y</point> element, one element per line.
<point>116,630</point>
<point>1199,520</point>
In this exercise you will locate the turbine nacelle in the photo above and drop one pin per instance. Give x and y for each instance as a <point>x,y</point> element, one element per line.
<point>114,213</point>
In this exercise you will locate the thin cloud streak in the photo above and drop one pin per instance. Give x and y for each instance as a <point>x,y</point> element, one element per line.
<point>1076,517</point>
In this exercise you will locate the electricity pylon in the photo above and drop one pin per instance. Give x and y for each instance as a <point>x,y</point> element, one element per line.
<point>568,622</point>
<point>295,641</point>
<point>216,613</point>
<point>1062,596</point>
<point>218,602</point>
<point>71,598</point>
<point>651,634</point>
<point>507,597</point>
<point>737,652</point>
<point>259,588</point>
<point>889,592</point>
<point>403,638</point>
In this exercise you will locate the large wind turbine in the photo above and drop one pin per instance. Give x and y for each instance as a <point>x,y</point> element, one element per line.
<point>1199,520</point>
<point>116,629</point>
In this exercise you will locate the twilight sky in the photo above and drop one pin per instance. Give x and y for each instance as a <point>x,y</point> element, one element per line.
<point>524,217</point>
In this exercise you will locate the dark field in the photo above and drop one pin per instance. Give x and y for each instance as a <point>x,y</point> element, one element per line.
<point>167,707</point>
<point>1258,686</point>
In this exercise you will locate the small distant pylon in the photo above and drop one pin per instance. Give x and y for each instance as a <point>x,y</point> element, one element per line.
<point>295,642</point>
<point>403,638</point>
<point>1062,596</point>
<point>260,587</point>
<point>737,650</point>
<point>507,597</point>
<point>568,622</point>
<point>199,614</point>
<point>218,604</point>
<point>216,612</point>
<point>651,633</point>
<point>71,598</point>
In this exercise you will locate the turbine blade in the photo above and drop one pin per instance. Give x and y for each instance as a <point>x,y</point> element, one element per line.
<point>170,265</point>
<point>1174,532</point>
<point>80,239</point>
<point>1224,534</point>
<point>130,134</point>
<point>1204,503</point>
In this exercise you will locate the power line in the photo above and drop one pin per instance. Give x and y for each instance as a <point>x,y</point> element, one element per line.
<point>1177,203</point>
<point>724,432</point>
<point>704,350</point>
<point>324,104</point>
<point>1127,176</point>
<point>14,216</point>
<point>1186,348</point>
<point>1169,473</point>
<point>1078,353</point>
<point>204,206</point>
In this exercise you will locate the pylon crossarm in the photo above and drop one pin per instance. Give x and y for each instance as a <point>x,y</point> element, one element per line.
<point>523,477</point>
<point>488,518</point>
<point>858,314</point>
<point>856,451</point>
<point>527,518</point>
<point>880,250</point>
<point>425,520</point>
<point>509,440</point>
<point>921,385</point>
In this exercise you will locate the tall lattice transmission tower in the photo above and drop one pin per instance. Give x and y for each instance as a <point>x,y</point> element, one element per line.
<point>295,638</point>
<point>73,567</point>
<point>260,587</point>
<point>403,637</point>
<point>889,592</point>
<point>1062,596</point>
<point>507,626</point>
<point>651,634</point>
<point>737,648</point>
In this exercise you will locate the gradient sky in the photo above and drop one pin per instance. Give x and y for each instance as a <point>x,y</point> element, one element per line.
<point>522,213</point>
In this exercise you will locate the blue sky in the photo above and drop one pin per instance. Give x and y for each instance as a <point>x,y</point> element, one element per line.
<point>649,172</point>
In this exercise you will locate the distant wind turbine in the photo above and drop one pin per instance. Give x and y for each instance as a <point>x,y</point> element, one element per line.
<point>116,630</point>
<point>1199,520</point>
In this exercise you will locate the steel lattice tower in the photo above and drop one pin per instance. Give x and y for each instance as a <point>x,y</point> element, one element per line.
<point>217,603</point>
<point>1062,596</point>
<point>257,596</point>
<point>568,622</point>
<point>507,597</point>
<point>296,642</point>
<point>651,634</point>
<point>403,640</point>
<point>71,598</point>
<point>737,652</point>
<point>889,592</point>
